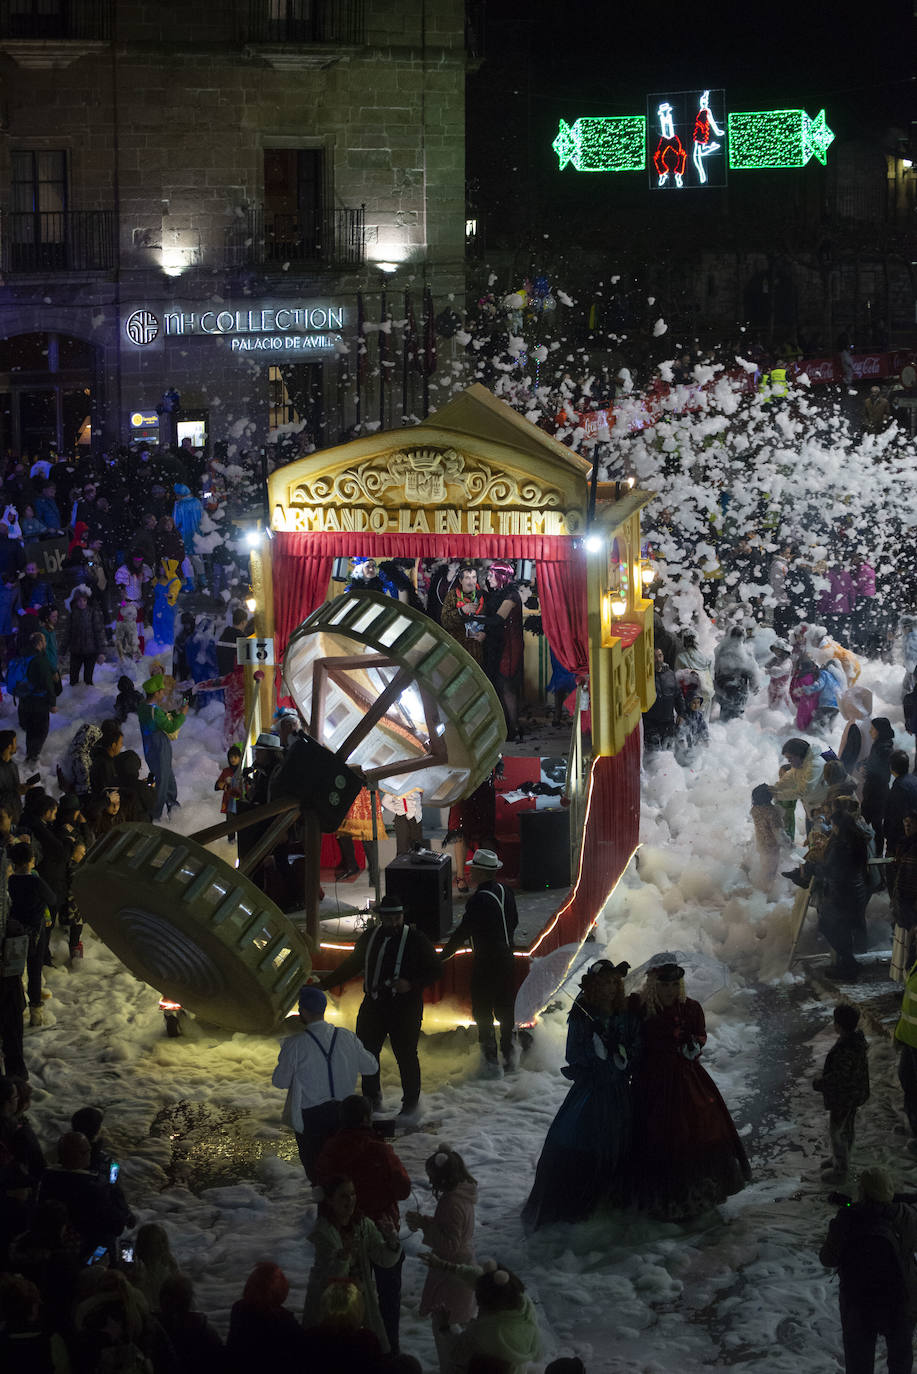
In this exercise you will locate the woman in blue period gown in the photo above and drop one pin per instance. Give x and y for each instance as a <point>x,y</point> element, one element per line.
<point>589,1140</point>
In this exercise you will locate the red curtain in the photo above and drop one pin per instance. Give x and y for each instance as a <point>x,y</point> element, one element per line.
<point>302,570</point>
<point>562,594</point>
<point>300,586</point>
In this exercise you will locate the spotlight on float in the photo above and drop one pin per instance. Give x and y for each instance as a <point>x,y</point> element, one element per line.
<point>253,538</point>
<point>593,543</point>
<point>250,604</point>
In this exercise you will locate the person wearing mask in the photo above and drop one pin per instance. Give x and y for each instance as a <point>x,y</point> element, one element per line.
<point>397,963</point>
<point>318,1066</point>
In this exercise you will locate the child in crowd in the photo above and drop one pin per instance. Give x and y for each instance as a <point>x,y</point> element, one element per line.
<point>230,781</point>
<point>692,734</point>
<point>449,1232</point>
<point>844,1084</point>
<point>127,700</point>
<point>779,669</point>
<point>770,834</point>
<point>505,1331</point>
<point>31,902</point>
<point>153,1262</point>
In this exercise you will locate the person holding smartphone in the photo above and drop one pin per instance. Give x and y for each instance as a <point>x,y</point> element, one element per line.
<point>96,1209</point>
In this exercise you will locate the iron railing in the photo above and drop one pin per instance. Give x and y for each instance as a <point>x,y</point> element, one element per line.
<point>59,241</point>
<point>333,238</point>
<point>56,19</point>
<point>306,21</point>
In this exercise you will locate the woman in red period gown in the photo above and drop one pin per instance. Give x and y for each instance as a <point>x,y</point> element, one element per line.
<point>687,1153</point>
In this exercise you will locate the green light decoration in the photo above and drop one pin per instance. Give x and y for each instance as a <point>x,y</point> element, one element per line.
<point>761,139</point>
<point>611,143</point>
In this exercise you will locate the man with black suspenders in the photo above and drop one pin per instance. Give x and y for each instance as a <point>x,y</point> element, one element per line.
<point>397,963</point>
<point>489,923</point>
<point>318,1066</point>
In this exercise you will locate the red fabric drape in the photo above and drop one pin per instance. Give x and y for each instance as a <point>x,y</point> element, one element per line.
<point>562,594</point>
<point>302,570</point>
<point>300,586</point>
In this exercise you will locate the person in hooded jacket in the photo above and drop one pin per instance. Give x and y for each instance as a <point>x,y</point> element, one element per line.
<point>856,708</point>
<point>505,1331</point>
<point>449,1233</point>
<point>871,1243</point>
<point>659,720</point>
<point>877,773</point>
<point>263,1334</point>
<point>805,780</point>
<point>735,674</point>
<point>829,683</point>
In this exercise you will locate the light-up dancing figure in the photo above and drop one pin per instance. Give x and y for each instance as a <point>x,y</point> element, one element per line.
<point>703,125</point>
<point>670,155</point>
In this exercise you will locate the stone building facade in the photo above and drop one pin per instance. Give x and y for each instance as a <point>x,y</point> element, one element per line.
<point>214,199</point>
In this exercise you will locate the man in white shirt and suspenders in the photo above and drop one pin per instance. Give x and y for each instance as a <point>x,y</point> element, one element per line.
<point>489,923</point>
<point>318,1066</point>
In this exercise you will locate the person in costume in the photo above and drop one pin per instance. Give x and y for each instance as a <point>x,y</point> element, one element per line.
<point>462,612</point>
<point>157,729</point>
<point>369,576</point>
<point>584,1155</point>
<point>165,594</point>
<point>358,825</point>
<point>687,1154</point>
<point>503,648</point>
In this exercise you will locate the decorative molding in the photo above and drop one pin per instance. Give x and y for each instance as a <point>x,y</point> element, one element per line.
<point>423,476</point>
<point>46,53</point>
<point>300,57</point>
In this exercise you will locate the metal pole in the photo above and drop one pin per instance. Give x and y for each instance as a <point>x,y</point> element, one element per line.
<point>372,801</point>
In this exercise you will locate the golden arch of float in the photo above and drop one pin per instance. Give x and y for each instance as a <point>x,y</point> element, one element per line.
<point>476,480</point>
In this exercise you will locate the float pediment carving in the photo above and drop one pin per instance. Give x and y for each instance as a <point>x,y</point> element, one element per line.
<point>426,475</point>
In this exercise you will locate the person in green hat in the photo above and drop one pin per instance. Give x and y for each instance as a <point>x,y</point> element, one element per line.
<point>158,728</point>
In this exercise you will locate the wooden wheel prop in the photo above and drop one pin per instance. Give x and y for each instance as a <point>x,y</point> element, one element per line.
<point>192,927</point>
<point>391,693</point>
<point>390,700</point>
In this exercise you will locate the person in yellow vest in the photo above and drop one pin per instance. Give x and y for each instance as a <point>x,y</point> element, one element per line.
<point>906,1045</point>
<point>774,383</point>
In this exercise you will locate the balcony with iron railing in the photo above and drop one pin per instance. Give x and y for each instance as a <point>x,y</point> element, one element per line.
<point>57,241</point>
<point>330,239</point>
<point>303,34</point>
<point>44,20</point>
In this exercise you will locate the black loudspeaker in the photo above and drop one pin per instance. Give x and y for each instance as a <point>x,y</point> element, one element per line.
<point>313,776</point>
<point>544,849</point>
<point>425,892</point>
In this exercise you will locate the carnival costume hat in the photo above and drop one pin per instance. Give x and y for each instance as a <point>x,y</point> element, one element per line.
<point>268,740</point>
<point>603,966</point>
<point>153,685</point>
<point>502,573</point>
<point>485,858</point>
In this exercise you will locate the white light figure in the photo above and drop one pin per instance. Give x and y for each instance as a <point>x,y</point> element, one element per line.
<point>703,125</point>
<point>670,155</point>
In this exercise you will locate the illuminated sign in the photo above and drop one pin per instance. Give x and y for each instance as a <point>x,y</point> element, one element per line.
<point>688,139</point>
<point>614,143</point>
<point>144,419</point>
<point>306,327</point>
<point>685,138</point>
<point>777,138</point>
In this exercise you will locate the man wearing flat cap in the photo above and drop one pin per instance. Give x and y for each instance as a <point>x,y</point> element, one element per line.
<point>397,962</point>
<point>488,925</point>
<point>318,1066</point>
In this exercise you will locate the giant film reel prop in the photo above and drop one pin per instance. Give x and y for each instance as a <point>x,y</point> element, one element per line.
<point>192,927</point>
<point>383,689</point>
<point>390,692</point>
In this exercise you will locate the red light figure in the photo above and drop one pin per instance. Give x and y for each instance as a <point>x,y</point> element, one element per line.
<point>670,155</point>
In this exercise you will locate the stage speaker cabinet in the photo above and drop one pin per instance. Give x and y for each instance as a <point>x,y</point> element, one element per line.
<point>544,849</point>
<point>424,890</point>
<point>311,775</point>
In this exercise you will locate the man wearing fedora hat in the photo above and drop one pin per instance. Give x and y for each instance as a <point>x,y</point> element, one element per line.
<point>488,924</point>
<point>397,962</point>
